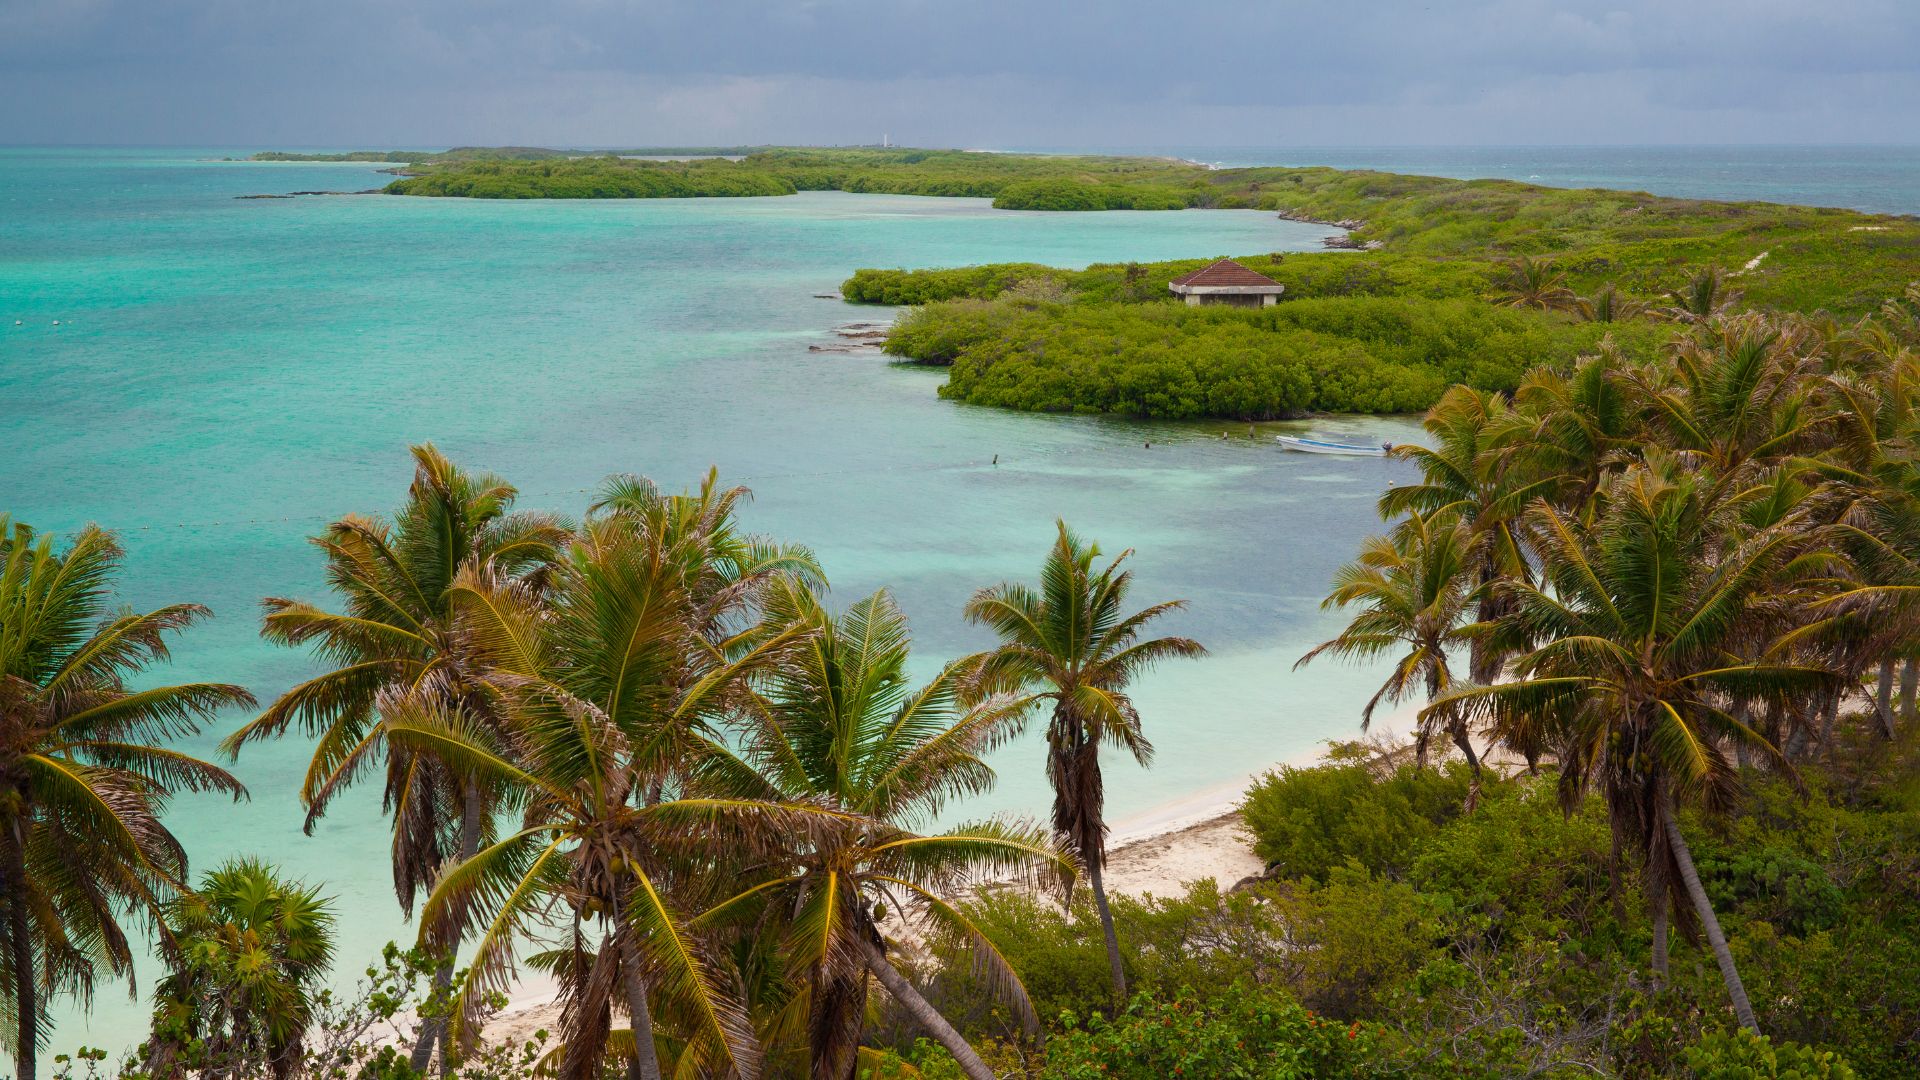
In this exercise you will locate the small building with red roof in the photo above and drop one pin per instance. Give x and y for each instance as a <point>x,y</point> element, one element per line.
<point>1227,282</point>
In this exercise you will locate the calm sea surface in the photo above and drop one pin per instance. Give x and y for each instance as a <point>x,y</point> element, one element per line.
<point>228,375</point>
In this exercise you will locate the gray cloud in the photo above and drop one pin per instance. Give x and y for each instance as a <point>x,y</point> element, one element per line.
<point>991,72</point>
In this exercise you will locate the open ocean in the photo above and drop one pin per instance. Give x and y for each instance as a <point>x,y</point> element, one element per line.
<point>228,375</point>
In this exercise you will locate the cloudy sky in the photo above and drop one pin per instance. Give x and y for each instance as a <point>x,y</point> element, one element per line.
<point>958,72</point>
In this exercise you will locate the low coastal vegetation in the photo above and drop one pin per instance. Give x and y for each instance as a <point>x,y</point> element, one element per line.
<point>1469,282</point>
<point>1569,268</point>
<point>1656,815</point>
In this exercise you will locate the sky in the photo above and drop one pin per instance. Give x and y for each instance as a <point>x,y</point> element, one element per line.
<point>965,73</point>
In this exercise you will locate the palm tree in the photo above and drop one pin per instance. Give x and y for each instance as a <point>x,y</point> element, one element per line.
<point>1607,305</point>
<point>254,951</point>
<point>608,688</point>
<point>1487,463</point>
<point>396,638</point>
<point>1703,298</point>
<point>1643,621</point>
<point>1416,593</point>
<point>842,729</point>
<point>1533,283</point>
<point>84,773</point>
<point>1073,644</point>
<point>1740,391</point>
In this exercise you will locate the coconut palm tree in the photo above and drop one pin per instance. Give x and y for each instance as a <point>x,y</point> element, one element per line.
<point>1487,463</point>
<point>1534,283</point>
<point>1744,390</point>
<point>1577,430</point>
<point>843,729</point>
<point>397,637</point>
<point>1644,621</point>
<point>1073,646</point>
<point>1416,593</point>
<point>253,955</point>
<point>609,685</point>
<point>84,773</point>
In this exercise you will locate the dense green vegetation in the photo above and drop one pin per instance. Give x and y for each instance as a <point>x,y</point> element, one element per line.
<point>1167,360</point>
<point>595,178</point>
<point>1663,608</point>
<point>1374,331</point>
<point>1483,944</point>
<point>469,154</point>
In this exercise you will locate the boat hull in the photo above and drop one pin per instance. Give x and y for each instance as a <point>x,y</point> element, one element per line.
<point>1322,446</point>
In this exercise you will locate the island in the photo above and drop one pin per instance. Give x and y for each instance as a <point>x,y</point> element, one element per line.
<point>1428,282</point>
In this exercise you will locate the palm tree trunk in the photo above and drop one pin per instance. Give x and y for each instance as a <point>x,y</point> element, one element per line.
<point>1742,1008</point>
<point>928,1016</point>
<point>1883,695</point>
<point>1660,943</point>
<point>25,1063</point>
<point>436,1031</point>
<point>645,1063</point>
<point>1465,744</point>
<point>1909,684</point>
<point>1115,968</point>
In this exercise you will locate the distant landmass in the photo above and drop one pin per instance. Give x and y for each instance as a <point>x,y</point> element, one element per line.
<point>500,153</point>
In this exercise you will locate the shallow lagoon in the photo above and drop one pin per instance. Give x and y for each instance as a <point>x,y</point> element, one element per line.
<point>230,374</point>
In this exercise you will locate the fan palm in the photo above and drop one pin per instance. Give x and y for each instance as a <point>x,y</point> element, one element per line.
<point>84,774</point>
<point>1643,627</point>
<point>843,730</point>
<point>397,637</point>
<point>253,954</point>
<point>1072,644</point>
<point>1416,592</point>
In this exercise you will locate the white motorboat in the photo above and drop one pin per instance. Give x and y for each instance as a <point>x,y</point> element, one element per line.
<point>1328,446</point>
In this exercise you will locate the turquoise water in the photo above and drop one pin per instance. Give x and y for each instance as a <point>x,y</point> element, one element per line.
<point>228,375</point>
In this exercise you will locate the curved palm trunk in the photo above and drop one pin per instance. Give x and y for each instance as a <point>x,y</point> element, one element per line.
<point>1116,970</point>
<point>25,1064</point>
<point>1742,1008</point>
<point>1078,796</point>
<point>435,1032</point>
<point>1461,740</point>
<point>922,1011</point>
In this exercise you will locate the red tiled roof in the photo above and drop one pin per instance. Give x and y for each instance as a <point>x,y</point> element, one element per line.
<point>1226,272</point>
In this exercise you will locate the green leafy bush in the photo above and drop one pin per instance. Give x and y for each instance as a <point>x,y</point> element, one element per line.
<point>1742,1055</point>
<point>1348,354</point>
<point>1231,1033</point>
<point>1308,821</point>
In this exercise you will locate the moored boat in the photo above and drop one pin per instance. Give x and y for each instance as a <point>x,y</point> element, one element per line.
<point>1328,446</point>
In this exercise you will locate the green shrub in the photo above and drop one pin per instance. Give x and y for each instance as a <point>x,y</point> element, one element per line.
<point>1308,821</point>
<point>1231,1033</point>
<point>1169,361</point>
<point>1742,1055</point>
